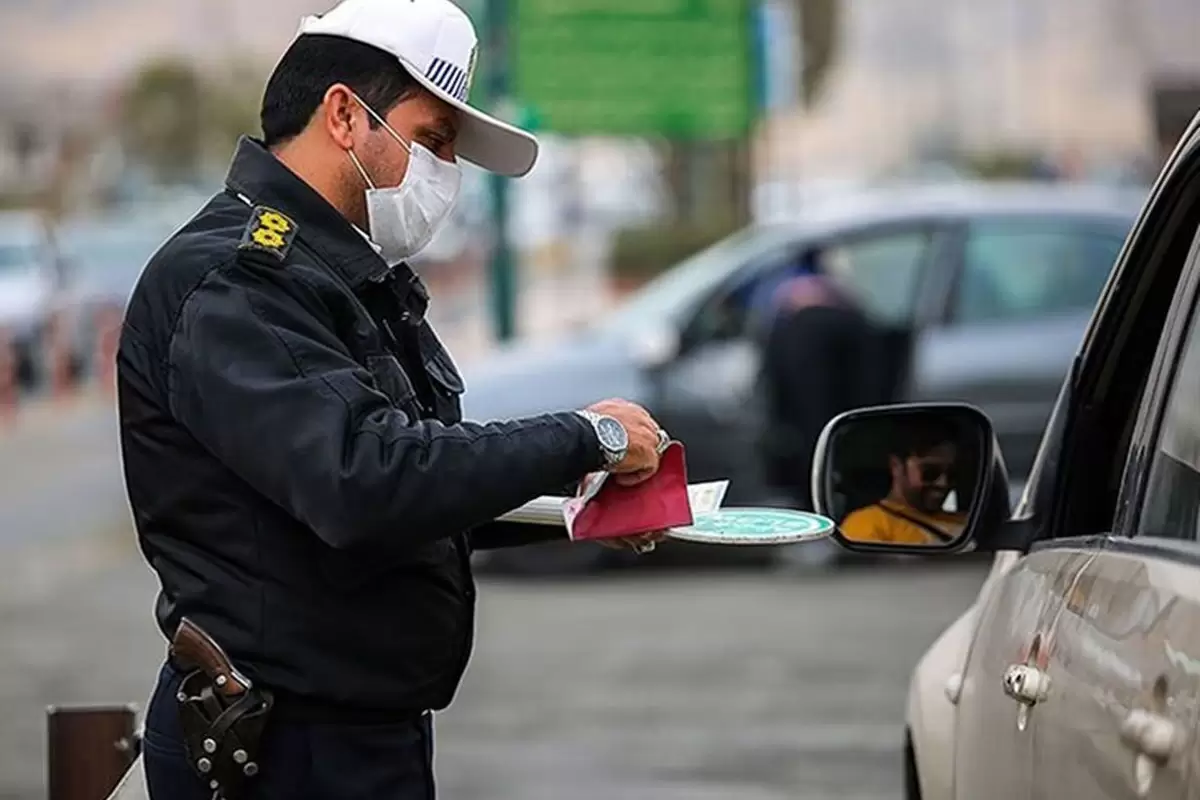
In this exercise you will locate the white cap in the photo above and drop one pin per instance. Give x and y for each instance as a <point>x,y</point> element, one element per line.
<point>435,42</point>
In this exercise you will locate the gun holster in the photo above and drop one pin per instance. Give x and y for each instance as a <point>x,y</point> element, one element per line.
<point>222,735</point>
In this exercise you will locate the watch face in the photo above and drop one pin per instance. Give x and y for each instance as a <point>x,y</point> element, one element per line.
<point>612,434</point>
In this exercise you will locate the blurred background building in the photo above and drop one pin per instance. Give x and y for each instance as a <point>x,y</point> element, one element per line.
<point>1069,82</point>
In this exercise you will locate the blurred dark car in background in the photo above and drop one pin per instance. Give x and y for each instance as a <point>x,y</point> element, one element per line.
<point>982,291</point>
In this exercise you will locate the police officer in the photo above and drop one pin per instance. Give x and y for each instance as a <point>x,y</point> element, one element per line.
<point>301,479</point>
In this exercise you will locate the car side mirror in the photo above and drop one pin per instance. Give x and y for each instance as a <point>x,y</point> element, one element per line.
<point>656,346</point>
<point>916,478</point>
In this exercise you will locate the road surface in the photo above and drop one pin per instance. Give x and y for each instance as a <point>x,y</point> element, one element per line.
<point>646,685</point>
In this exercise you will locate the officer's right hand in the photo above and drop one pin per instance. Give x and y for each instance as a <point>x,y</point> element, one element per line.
<point>641,458</point>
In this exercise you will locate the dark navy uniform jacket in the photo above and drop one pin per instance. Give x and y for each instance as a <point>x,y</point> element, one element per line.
<point>299,472</point>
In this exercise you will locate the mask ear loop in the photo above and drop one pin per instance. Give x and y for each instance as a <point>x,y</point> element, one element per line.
<point>354,158</point>
<point>399,139</point>
<point>358,165</point>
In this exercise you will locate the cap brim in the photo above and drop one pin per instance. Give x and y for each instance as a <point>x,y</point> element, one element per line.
<point>484,140</point>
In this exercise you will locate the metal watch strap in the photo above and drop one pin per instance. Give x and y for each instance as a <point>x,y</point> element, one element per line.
<point>610,457</point>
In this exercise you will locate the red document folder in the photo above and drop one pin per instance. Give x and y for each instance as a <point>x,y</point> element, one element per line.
<point>605,509</point>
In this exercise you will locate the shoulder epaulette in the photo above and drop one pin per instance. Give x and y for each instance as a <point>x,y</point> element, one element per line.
<point>270,231</point>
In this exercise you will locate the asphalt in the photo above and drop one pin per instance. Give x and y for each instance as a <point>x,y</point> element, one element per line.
<point>645,684</point>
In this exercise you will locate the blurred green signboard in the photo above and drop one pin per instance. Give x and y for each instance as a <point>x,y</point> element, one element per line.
<point>678,68</point>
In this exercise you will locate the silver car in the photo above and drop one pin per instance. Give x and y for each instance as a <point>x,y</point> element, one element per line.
<point>1077,671</point>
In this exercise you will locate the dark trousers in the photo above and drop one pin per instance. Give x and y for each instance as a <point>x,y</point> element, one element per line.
<point>392,761</point>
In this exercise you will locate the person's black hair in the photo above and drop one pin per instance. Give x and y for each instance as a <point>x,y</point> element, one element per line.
<point>315,62</point>
<point>918,436</point>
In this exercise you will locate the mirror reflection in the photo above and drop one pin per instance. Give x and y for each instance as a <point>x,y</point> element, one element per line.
<point>905,479</point>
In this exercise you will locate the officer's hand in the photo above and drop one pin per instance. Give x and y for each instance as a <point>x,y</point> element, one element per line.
<point>641,458</point>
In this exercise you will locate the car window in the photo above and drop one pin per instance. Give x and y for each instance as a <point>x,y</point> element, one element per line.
<point>1019,270</point>
<point>670,296</point>
<point>1172,500</point>
<point>743,307</point>
<point>881,271</point>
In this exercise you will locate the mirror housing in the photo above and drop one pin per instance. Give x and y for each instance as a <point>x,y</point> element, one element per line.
<point>656,346</point>
<point>919,478</point>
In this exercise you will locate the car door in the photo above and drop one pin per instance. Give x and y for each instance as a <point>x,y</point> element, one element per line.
<point>1120,697</point>
<point>1020,302</point>
<point>1022,688</point>
<point>995,746</point>
<point>707,396</point>
<point>1125,674</point>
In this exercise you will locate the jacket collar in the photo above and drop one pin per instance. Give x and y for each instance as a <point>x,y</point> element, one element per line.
<point>262,179</point>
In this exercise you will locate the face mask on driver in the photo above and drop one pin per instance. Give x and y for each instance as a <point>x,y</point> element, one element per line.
<point>403,219</point>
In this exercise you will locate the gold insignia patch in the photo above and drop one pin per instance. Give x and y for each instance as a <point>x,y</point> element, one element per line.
<point>270,231</point>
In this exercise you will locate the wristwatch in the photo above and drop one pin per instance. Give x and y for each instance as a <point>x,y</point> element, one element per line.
<point>614,439</point>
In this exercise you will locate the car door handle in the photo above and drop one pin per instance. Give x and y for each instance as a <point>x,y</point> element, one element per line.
<point>1026,684</point>
<point>1151,735</point>
<point>1154,739</point>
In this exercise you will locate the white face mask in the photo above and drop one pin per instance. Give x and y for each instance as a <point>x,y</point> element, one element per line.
<point>403,219</point>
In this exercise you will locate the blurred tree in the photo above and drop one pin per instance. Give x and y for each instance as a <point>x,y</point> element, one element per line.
<point>820,34</point>
<point>232,107</point>
<point>163,120</point>
<point>641,253</point>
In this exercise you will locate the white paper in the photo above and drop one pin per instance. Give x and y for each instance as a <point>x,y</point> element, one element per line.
<point>545,510</point>
<point>560,511</point>
<point>588,489</point>
<point>705,498</point>
<point>572,507</point>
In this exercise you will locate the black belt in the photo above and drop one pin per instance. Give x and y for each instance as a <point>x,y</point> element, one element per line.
<point>296,708</point>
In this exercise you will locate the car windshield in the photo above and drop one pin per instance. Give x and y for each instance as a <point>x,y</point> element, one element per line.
<point>670,295</point>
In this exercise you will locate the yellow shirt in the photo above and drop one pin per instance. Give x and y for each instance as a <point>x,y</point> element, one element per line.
<point>890,523</point>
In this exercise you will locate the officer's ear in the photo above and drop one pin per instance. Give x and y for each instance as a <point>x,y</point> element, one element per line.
<point>340,115</point>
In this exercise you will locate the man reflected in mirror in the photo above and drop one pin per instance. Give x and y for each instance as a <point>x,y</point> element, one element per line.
<point>921,506</point>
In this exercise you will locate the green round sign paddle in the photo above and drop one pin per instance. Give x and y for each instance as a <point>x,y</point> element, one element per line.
<point>754,526</point>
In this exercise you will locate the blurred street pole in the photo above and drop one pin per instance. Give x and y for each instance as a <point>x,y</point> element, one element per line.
<point>502,273</point>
